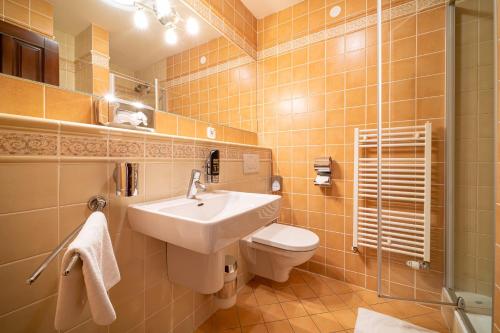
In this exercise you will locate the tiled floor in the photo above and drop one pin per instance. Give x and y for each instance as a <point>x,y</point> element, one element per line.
<point>310,303</point>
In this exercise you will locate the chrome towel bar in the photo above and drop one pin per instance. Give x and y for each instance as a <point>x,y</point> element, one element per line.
<point>96,203</point>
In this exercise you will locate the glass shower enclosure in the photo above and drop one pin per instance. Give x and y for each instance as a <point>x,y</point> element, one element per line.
<point>470,161</point>
<point>436,78</point>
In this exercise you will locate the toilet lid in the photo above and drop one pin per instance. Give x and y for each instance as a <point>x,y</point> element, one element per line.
<point>286,237</point>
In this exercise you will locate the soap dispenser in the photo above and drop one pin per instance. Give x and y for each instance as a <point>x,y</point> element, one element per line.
<point>213,166</point>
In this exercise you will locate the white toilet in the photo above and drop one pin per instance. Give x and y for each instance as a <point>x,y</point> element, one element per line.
<point>272,251</point>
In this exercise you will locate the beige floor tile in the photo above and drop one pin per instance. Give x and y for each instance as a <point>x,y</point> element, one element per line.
<point>388,309</point>
<point>326,322</point>
<point>346,318</point>
<point>245,290</point>
<point>265,296</point>
<point>224,319</point>
<point>314,306</point>
<point>206,327</point>
<point>267,307</point>
<point>285,294</point>
<point>333,302</point>
<point>249,315</point>
<point>370,297</point>
<point>427,321</point>
<point>303,291</point>
<point>303,325</point>
<point>293,309</point>
<point>247,299</point>
<point>339,287</point>
<point>232,330</point>
<point>296,277</point>
<point>272,312</point>
<point>320,288</point>
<point>282,326</point>
<point>353,300</point>
<point>411,309</point>
<point>260,328</point>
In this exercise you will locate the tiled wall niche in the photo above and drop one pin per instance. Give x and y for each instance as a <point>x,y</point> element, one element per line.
<point>317,82</point>
<point>49,169</point>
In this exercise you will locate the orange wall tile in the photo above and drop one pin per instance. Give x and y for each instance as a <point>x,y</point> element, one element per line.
<point>237,16</point>
<point>21,97</point>
<point>46,198</point>
<point>67,105</point>
<point>36,15</point>
<point>310,100</point>
<point>227,97</point>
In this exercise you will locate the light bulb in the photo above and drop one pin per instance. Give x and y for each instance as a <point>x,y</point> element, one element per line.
<point>335,11</point>
<point>170,36</point>
<point>192,26</point>
<point>163,8</point>
<point>140,20</point>
<point>110,97</point>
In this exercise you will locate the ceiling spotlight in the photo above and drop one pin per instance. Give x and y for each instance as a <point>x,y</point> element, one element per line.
<point>170,36</point>
<point>162,8</point>
<point>140,19</point>
<point>192,26</point>
<point>335,11</point>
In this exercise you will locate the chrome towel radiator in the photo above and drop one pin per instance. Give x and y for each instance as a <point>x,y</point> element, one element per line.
<point>405,190</point>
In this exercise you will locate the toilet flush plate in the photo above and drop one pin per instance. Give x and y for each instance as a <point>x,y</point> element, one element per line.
<point>251,163</point>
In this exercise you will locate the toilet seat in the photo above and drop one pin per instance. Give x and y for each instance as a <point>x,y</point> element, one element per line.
<point>286,237</point>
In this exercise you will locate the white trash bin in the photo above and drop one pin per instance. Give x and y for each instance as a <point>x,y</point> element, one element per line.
<point>226,297</point>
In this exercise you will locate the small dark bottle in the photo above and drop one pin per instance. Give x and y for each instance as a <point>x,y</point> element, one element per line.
<point>213,166</point>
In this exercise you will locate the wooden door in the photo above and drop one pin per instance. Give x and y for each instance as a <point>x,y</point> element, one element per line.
<point>28,55</point>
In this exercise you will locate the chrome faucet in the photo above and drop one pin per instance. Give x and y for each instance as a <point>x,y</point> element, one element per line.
<point>195,185</point>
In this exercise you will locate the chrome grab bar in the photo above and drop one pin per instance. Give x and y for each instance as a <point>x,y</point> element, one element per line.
<point>96,203</point>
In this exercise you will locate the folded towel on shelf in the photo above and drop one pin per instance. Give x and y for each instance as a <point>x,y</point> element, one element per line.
<point>90,279</point>
<point>323,162</point>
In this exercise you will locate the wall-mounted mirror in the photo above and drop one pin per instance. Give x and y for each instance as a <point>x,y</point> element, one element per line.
<point>158,55</point>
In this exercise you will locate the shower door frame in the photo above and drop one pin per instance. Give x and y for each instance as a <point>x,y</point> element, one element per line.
<point>449,288</point>
<point>457,302</point>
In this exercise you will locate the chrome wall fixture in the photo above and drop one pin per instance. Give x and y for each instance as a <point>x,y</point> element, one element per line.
<point>126,177</point>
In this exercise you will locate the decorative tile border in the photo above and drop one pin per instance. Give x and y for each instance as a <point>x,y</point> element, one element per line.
<point>23,143</point>
<point>351,26</point>
<point>183,149</point>
<point>27,137</point>
<point>211,17</point>
<point>125,148</point>
<point>228,65</point>
<point>84,146</point>
<point>159,149</point>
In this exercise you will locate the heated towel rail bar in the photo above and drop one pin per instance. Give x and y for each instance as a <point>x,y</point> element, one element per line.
<point>405,188</point>
<point>96,203</point>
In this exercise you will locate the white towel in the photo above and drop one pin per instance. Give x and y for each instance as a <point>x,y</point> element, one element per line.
<point>373,322</point>
<point>90,279</point>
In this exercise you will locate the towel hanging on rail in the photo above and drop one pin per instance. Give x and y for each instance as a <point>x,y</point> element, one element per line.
<point>91,278</point>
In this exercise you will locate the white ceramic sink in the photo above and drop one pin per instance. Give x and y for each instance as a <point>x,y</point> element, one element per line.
<point>206,224</point>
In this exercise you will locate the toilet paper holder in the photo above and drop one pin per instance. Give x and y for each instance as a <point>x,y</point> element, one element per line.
<point>323,168</point>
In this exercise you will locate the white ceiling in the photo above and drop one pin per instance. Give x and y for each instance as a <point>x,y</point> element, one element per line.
<point>130,48</point>
<point>263,8</point>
